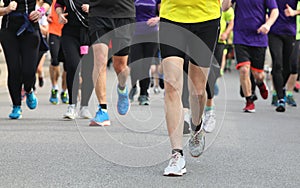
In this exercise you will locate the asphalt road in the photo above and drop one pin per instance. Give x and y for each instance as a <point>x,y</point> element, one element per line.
<point>245,150</point>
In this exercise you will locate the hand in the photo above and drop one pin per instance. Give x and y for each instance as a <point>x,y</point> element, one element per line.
<point>35,16</point>
<point>85,7</point>
<point>264,29</point>
<point>289,11</point>
<point>223,36</point>
<point>153,21</point>
<point>49,19</point>
<point>11,7</point>
<point>62,18</point>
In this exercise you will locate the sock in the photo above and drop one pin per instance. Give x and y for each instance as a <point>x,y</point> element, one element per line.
<point>259,84</point>
<point>289,93</point>
<point>196,128</point>
<point>274,92</point>
<point>209,108</point>
<point>103,107</point>
<point>177,150</point>
<point>55,87</point>
<point>249,98</point>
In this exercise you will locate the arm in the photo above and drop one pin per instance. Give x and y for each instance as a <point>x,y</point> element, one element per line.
<point>290,12</point>
<point>61,15</point>
<point>224,36</point>
<point>265,28</point>
<point>154,21</point>
<point>6,10</point>
<point>37,14</point>
<point>226,4</point>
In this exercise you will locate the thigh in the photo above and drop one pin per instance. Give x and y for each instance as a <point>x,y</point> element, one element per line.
<point>242,55</point>
<point>71,50</point>
<point>276,49</point>
<point>258,55</point>
<point>30,50</point>
<point>172,44</point>
<point>202,42</point>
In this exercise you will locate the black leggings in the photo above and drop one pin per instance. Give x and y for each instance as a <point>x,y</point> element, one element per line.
<point>55,49</point>
<point>281,47</point>
<point>21,54</point>
<point>214,71</point>
<point>140,58</point>
<point>71,50</point>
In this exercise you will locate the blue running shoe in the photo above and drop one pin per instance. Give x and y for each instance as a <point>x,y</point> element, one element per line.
<point>101,118</point>
<point>16,112</point>
<point>290,101</point>
<point>54,96</point>
<point>281,105</point>
<point>64,97</point>
<point>123,101</point>
<point>31,100</point>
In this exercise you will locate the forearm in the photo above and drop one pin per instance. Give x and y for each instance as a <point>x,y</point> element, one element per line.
<point>3,11</point>
<point>273,16</point>
<point>229,27</point>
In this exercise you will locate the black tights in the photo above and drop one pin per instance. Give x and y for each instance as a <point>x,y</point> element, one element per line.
<point>21,54</point>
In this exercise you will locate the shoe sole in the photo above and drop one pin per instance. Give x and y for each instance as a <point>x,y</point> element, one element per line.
<point>249,111</point>
<point>68,118</point>
<point>280,109</point>
<point>98,124</point>
<point>13,118</point>
<point>183,171</point>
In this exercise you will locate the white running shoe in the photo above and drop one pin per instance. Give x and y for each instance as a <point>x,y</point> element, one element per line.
<point>71,112</point>
<point>85,113</point>
<point>197,143</point>
<point>209,121</point>
<point>176,165</point>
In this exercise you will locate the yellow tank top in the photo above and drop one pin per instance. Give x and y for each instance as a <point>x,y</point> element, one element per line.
<point>190,11</point>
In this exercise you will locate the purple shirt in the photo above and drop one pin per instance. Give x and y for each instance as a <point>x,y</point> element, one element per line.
<point>285,25</point>
<point>145,9</point>
<point>249,16</point>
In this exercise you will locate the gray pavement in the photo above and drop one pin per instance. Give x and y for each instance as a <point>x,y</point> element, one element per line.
<point>245,150</point>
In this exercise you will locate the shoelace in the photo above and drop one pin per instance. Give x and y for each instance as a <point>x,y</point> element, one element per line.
<point>175,158</point>
<point>196,138</point>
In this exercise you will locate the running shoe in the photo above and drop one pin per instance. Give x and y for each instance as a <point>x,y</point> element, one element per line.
<point>161,81</point>
<point>197,143</point>
<point>85,113</point>
<point>250,107</point>
<point>290,100</point>
<point>64,97</point>
<point>123,101</point>
<point>209,121</point>
<point>31,100</point>
<point>101,118</point>
<point>143,100</point>
<point>54,96</point>
<point>156,90</point>
<point>16,112</point>
<point>216,89</point>
<point>132,93</point>
<point>264,92</point>
<point>176,166</point>
<point>280,106</point>
<point>71,112</point>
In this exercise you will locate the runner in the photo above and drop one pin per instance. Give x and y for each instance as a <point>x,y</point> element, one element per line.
<point>250,42</point>
<point>282,39</point>
<point>57,56</point>
<point>180,17</point>
<point>20,27</point>
<point>106,16</point>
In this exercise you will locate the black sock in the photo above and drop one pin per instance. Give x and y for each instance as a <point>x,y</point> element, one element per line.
<point>259,84</point>
<point>196,127</point>
<point>177,150</point>
<point>249,98</point>
<point>103,106</point>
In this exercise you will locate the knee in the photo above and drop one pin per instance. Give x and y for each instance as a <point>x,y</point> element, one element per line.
<point>244,71</point>
<point>120,67</point>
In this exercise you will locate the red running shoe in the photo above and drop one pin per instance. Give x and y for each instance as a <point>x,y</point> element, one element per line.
<point>250,107</point>
<point>264,92</point>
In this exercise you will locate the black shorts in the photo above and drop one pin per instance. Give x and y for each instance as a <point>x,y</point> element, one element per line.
<point>250,55</point>
<point>197,40</point>
<point>118,30</point>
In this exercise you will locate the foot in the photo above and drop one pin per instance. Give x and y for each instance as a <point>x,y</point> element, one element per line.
<point>85,113</point>
<point>71,112</point>
<point>41,81</point>
<point>64,97</point>
<point>101,118</point>
<point>197,143</point>
<point>132,93</point>
<point>187,122</point>
<point>143,100</point>
<point>209,121</point>
<point>280,106</point>
<point>123,101</point>
<point>54,96</point>
<point>290,101</point>
<point>176,166</point>
<point>31,100</point>
<point>250,107</point>
<point>264,92</point>
<point>16,112</point>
